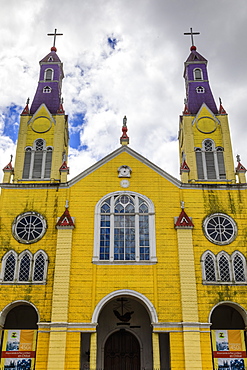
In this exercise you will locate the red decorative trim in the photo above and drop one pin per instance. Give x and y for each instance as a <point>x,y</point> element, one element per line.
<point>61,110</point>
<point>186,110</point>
<point>65,220</point>
<point>184,167</point>
<point>183,221</point>
<point>64,167</point>
<point>240,168</point>
<point>222,110</point>
<point>25,111</point>
<point>8,168</point>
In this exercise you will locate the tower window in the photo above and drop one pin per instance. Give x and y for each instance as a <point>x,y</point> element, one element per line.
<point>223,268</point>
<point>210,161</point>
<point>37,161</point>
<point>47,89</point>
<point>200,90</point>
<point>197,74</point>
<point>125,230</point>
<point>48,74</point>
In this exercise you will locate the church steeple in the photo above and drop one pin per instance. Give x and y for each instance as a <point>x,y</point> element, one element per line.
<point>43,134</point>
<point>204,134</point>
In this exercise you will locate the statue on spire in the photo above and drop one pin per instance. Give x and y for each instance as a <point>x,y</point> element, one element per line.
<point>124,139</point>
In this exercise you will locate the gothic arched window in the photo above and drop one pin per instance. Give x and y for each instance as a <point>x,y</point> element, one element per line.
<point>198,74</point>
<point>37,161</point>
<point>210,161</point>
<point>9,264</point>
<point>25,260</point>
<point>48,74</point>
<point>40,266</point>
<point>223,269</point>
<point>124,228</point>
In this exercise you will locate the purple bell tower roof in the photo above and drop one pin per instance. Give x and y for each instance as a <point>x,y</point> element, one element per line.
<point>198,90</point>
<point>50,83</point>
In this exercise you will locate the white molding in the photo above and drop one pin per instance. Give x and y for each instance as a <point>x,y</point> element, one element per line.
<point>12,305</point>
<point>125,292</point>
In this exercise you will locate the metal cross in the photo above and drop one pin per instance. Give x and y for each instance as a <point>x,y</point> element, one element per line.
<point>191,33</point>
<point>55,34</point>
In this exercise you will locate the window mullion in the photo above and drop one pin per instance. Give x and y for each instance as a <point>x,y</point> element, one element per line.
<point>31,164</point>
<point>112,227</point>
<point>43,164</point>
<point>204,165</point>
<point>216,165</point>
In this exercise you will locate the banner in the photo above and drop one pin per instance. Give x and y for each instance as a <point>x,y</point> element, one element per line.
<point>18,349</point>
<point>229,350</point>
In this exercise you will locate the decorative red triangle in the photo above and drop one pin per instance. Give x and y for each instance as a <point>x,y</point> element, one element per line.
<point>64,167</point>
<point>61,110</point>
<point>65,219</point>
<point>183,220</point>
<point>25,110</point>
<point>240,168</point>
<point>184,167</point>
<point>221,109</point>
<point>8,167</point>
<point>186,110</point>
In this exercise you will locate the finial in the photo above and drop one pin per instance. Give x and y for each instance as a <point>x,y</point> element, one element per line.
<point>124,139</point>
<point>67,204</point>
<point>11,157</point>
<point>220,101</point>
<point>182,204</point>
<point>55,34</point>
<point>191,33</point>
<point>238,158</point>
<point>28,100</point>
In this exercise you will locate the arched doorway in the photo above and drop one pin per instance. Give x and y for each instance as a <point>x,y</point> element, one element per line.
<point>228,336</point>
<point>21,317</point>
<point>122,351</point>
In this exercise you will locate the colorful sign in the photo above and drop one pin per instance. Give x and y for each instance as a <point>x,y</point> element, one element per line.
<point>229,351</point>
<point>18,349</point>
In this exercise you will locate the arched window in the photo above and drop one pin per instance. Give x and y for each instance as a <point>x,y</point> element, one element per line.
<point>37,161</point>
<point>47,89</point>
<point>24,269</point>
<point>124,231</point>
<point>209,267</point>
<point>224,267</point>
<point>197,74</point>
<point>48,74</point>
<point>227,270</point>
<point>210,161</point>
<point>25,260</point>
<point>40,266</point>
<point>9,264</point>
<point>239,267</point>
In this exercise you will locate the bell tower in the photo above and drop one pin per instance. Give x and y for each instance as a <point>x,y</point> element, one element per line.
<point>42,145</point>
<point>204,135</point>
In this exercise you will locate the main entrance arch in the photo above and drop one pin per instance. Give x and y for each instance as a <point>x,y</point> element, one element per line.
<point>124,331</point>
<point>122,351</point>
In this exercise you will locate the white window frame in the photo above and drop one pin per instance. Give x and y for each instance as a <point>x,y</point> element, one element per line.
<point>215,150</point>
<point>194,74</point>
<point>47,90</point>
<point>33,151</point>
<point>97,221</point>
<point>200,90</point>
<point>230,259</point>
<point>17,267</point>
<point>52,74</point>
<point>40,251</point>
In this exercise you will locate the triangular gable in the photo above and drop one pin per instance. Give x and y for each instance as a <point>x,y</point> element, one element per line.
<point>65,220</point>
<point>204,111</point>
<point>134,154</point>
<point>183,221</point>
<point>240,168</point>
<point>9,167</point>
<point>42,111</point>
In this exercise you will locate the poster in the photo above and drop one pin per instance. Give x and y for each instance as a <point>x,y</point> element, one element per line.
<point>229,352</point>
<point>18,349</point>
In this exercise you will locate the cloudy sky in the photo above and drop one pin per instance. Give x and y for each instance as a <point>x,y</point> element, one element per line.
<point>122,57</point>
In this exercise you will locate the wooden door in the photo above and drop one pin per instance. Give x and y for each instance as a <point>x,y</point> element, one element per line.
<point>122,352</point>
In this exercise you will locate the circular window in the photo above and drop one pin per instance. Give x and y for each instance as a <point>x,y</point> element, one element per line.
<point>29,227</point>
<point>220,228</point>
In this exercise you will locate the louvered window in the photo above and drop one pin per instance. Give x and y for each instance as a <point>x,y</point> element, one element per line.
<point>37,162</point>
<point>210,161</point>
<point>48,74</point>
<point>197,74</point>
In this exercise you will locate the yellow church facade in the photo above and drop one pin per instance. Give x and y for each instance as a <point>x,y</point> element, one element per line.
<point>124,266</point>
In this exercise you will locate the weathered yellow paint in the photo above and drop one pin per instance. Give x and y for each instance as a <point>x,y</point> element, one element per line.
<point>156,351</point>
<point>93,352</point>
